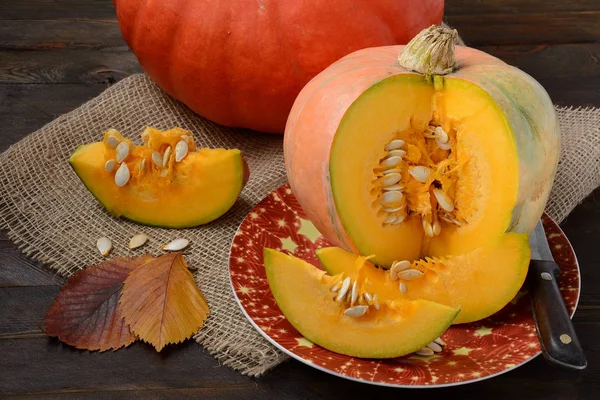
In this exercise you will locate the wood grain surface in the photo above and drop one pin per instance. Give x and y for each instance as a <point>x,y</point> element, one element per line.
<point>55,55</point>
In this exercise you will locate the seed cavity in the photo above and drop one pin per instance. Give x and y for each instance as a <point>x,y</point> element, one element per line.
<point>356,311</point>
<point>137,241</point>
<point>122,151</point>
<point>420,173</point>
<point>166,155</point>
<point>104,246</point>
<point>176,245</point>
<point>122,176</point>
<point>110,165</point>
<point>409,274</point>
<point>343,290</point>
<point>181,150</point>
<point>112,141</point>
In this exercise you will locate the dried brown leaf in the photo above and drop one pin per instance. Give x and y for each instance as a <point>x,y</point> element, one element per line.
<point>161,302</point>
<point>86,314</point>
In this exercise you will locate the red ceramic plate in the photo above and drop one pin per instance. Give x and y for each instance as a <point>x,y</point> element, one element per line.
<point>473,351</point>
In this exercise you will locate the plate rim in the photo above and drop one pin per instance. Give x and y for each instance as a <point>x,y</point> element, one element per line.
<point>376,383</point>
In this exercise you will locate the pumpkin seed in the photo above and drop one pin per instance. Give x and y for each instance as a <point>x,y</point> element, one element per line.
<point>400,266</point>
<point>122,175</point>
<point>442,145</point>
<point>427,228</point>
<point>166,155</point>
<point>437,228</point>
<point>399,219</point>
<point>393,210</point>
<point>441,134</point>
<point>376,302</point>
<point>122,151</point>
<point>176,245</point>
<point>420,173</point>
<point>343,290</point>
<point>390,220</point>
<point>391,161</point>
<point>566,339</point>
<point>402,287</point>
<point>451,220</point>
<point>424,351</point>
<point>157,159</point>
<point>137,241</point>
<point>104,245</point>
<point>410,274</point>
<point>181,150</point>
<point>435,347</point>
<point>335,287</point>
<point>443,200</point>
<point>391,197</point>
<point>391,179</point>
<point>368,298</point>
<point>354,293</point>
<point>391,171</point>
<point>145,136</point>
<point>393,188</point>
<point>440,341</point>
<point>110,165</point>
<point>185,138</point>
<point>396,153</point>
<point>356,311</point>
<point>394,144</point>
<point>112,142</point>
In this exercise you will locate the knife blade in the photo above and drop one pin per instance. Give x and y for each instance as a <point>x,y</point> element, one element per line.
<point>560,345</point>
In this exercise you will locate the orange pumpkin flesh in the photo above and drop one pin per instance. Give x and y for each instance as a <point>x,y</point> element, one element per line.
<point>193,191</point>
<point>478,282</point>
<point>242,63</point>
<point>503,150</point>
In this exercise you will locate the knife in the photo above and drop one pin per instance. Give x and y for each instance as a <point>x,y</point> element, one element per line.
<point>560,345</point>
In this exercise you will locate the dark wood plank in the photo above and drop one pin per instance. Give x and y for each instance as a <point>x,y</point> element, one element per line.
<point>18,270</point>
<point>67,66</point>
<point>484,8</point>
<point>56,9</point>
<point>60,34</point>
<point>25,108</point>
<point>541,28</point>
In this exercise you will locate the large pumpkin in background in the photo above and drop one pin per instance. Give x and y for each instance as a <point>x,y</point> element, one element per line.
<point>242,63</point>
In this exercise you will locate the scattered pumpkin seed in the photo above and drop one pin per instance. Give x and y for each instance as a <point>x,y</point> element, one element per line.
<point>398,153</point>
<point>409,274</point>
<point>343,289</point>
<point>391,179</point>
<point>402,287</point>
<point>176,245</point>
<point>435,347</point>
<point>424,351</point>
<point>181,150</point>
<point>157,159</point>
<point>122,151</point>
<point>137,241</point>
<point>354,293</point>
<point>110,165</point>
<point>395,144</point>
<point>104,245</point>
<point>112,141</point>
<point>391,161</point>
<point>420,173</point>
<point>391,197</point>
<point>443,200</point>
<point>166,155</point>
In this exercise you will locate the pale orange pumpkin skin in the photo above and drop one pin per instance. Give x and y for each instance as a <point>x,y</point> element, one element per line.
<point>242,63</point>
<point>319,108</point>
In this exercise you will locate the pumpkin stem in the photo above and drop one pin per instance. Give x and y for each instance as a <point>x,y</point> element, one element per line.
<point>431,52</point>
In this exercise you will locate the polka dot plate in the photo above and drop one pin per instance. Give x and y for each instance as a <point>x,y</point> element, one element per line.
<point>473,352</point>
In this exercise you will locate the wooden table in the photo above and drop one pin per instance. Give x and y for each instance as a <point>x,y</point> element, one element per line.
<point>54,55</point>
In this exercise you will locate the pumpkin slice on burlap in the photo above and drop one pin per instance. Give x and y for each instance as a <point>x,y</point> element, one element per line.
<point>164,182</point>
<point>428,149</point>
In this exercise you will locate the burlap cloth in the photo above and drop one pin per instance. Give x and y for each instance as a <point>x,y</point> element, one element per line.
<point>52,217</point>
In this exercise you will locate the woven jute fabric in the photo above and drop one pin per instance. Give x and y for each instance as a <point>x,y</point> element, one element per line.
<point>52,217</point>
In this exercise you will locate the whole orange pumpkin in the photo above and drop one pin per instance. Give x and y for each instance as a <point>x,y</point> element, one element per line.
<point>242,63</point>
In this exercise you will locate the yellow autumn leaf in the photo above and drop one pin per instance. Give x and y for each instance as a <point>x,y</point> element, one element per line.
<point>161,302</point>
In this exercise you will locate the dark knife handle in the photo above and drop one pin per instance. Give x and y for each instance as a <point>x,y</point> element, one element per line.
<point>559,341</point>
